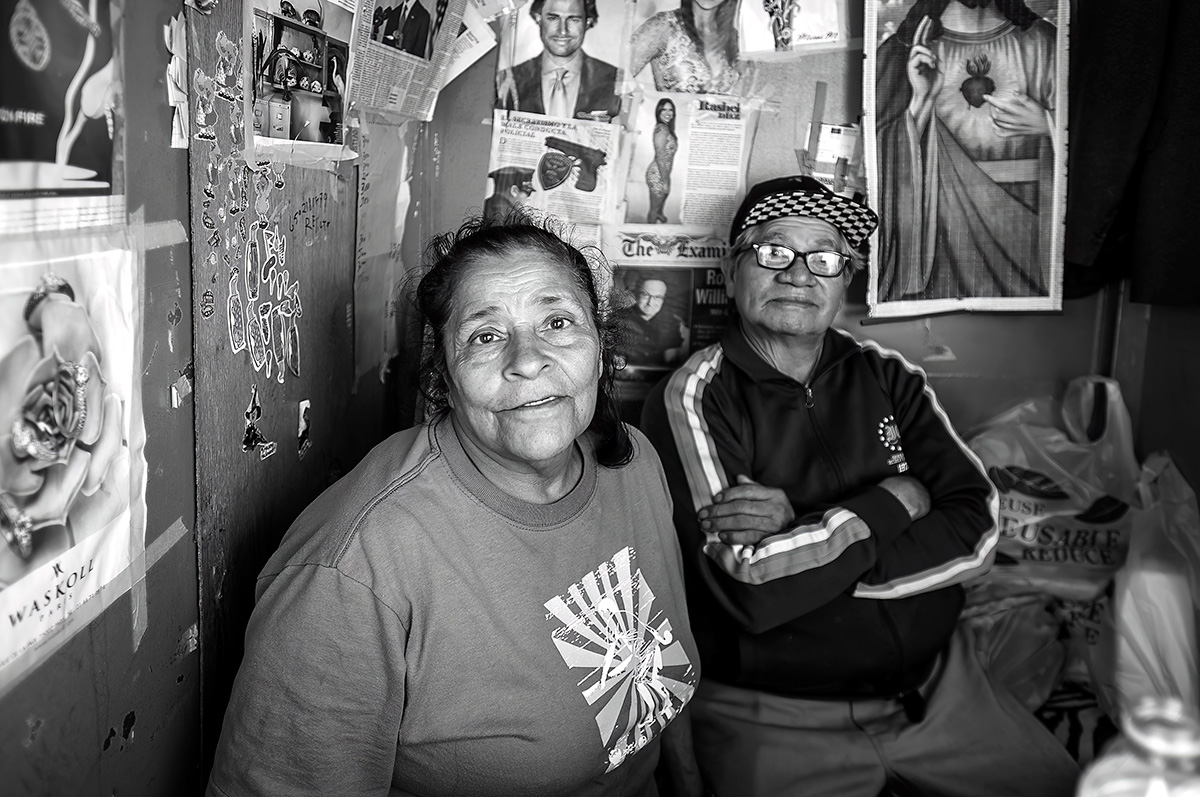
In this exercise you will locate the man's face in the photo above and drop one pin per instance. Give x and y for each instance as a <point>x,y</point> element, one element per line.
<point>563,24</point>
<point>795,302</point>
<point>650,298</point>
<point>518,194</point>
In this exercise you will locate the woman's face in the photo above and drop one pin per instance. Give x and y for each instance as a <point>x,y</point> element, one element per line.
<point>706,5</point>
<point>667,113</point>
<point>523,360</point>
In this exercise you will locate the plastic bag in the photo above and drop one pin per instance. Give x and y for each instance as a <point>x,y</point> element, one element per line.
<point>1065,490</point>
<point>1018,638</point>
<point>1157,592</point>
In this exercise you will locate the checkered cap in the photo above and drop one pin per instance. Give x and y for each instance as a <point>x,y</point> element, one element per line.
<point>801,195</point>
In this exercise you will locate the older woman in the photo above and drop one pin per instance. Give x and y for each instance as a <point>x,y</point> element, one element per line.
<point>459,614</point>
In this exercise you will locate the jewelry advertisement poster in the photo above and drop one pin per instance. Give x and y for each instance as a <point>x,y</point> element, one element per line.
<point>72,468</point>
<point>59,115</point>
<point>965,151</point>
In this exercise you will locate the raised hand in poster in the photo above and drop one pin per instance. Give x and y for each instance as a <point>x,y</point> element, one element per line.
<point>57,98</point>
<point>965,115</point>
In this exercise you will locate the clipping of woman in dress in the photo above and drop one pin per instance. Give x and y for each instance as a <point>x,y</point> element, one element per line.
<point>658,174</point>
<point>691,49</point>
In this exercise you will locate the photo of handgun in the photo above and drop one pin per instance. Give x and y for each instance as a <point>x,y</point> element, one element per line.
<point>588,159</point>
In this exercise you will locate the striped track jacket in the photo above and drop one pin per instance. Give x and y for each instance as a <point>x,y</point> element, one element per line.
<point>855,600</point>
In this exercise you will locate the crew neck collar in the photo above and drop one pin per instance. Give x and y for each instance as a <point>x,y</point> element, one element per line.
<point>538,517</point>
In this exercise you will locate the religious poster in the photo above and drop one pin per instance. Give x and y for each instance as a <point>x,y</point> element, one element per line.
<point>559,58</point>
<point>72,470</point>
<point>966,154</point>
<point>59,114</point>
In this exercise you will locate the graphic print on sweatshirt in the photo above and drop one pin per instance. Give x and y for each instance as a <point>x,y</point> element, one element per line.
<point>634,672</point>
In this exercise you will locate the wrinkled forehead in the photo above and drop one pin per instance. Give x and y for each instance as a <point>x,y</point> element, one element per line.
<point>517,271</point>
<point>803,233</point>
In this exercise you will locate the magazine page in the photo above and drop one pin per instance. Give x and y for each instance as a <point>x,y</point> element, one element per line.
<point>772,29</point>
<point>559,58</point>
<point>690,48</point>
<point>560,166</point>
<point>399,50</point>
<point>60,114</point>
<point>70,403</point>
<point>665,183</point>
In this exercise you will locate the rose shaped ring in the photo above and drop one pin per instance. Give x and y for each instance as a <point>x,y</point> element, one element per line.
<point>51,283</point>
<point>16,526</point>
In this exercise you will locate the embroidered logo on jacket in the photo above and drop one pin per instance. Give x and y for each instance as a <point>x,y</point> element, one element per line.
<point>637,674</point>
<point>889,435</point>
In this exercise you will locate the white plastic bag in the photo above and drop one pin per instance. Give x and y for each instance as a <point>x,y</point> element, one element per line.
<point>1157,592</point>
<point>1065,490</point>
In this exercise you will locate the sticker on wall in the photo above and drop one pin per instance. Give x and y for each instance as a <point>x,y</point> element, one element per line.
<point>253,437</point>
<point>303,443</point>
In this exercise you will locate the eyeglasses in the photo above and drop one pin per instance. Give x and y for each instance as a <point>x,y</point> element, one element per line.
<point>778,257</point>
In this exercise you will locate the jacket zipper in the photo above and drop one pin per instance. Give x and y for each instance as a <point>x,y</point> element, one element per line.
<point>810,401</point>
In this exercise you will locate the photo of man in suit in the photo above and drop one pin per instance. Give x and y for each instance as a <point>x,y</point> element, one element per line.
<point>562,80</point>
<point>404,26</point>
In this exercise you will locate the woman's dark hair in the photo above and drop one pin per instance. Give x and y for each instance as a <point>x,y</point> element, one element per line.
<point>726,23</point>
<point>663,103</point>
<point>450,255</point>
<point>1015,11</point>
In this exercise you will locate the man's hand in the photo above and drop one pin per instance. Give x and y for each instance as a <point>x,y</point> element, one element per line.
<point>1017,115</point>
<point>909,492</point>
<point>747,513</point>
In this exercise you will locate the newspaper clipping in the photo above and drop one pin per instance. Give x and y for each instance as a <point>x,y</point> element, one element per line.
<point>666,185</point>
<point>560,166</point>
<point>400,48</point>
<point>669,298</point>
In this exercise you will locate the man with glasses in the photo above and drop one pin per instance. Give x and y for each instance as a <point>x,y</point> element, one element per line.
<point>652,337</point>
<point>828,515</point>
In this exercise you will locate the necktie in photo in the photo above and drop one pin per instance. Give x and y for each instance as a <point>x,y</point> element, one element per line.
<point>558,96</point>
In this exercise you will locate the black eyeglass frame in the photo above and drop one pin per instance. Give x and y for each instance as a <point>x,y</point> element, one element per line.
<point>758,258</point>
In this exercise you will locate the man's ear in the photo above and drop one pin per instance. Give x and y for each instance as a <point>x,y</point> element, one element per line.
<point>729,269</point>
